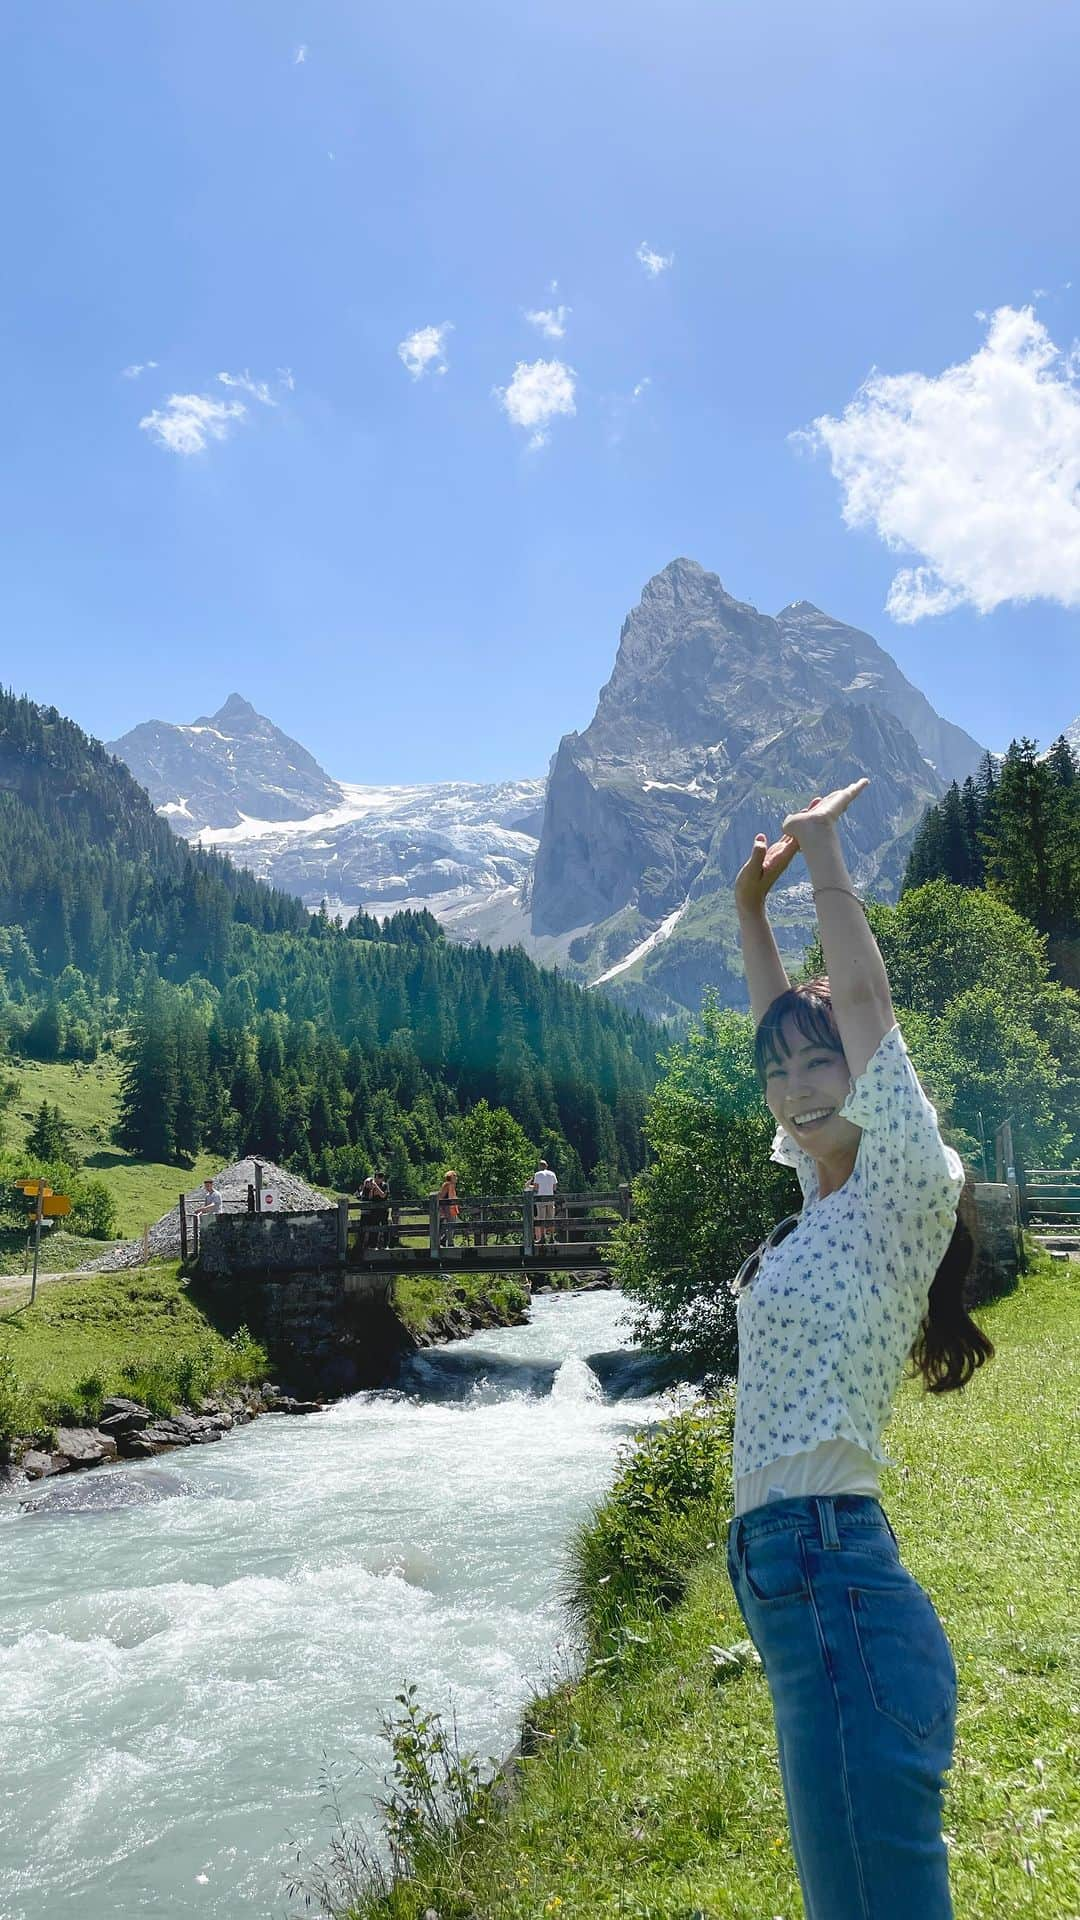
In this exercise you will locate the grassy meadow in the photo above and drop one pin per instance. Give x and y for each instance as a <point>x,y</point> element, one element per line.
<point>87,1094</point>
<point>140,1333</point>
<point>652,1790</point>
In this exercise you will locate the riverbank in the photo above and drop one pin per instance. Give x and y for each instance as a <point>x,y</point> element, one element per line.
<point>129,1364</point>
<point>650,1786</point>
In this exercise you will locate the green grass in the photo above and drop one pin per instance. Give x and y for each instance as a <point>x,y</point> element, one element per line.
<point>421,1298</point>
<point>138,1333</point>
<point>88,1098</point>
<point>655,1794</point>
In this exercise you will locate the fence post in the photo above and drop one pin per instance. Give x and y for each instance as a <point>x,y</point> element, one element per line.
<point>183,1227</point>
<point>342,1231</point>
<point>433,1225</point>
<point>624,1200</point>
<point>528,1241</point>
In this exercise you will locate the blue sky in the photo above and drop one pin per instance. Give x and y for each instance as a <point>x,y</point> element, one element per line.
<point>384,560</point>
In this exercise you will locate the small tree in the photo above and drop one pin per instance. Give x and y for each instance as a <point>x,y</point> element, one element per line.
<point>44,1037</point>
<point>491,1151</point>
<point>50,1137</point>
<point>93,1210</point>
<point>710,1194</point>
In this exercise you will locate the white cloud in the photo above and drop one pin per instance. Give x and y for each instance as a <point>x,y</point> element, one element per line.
<point>654,263</point>
<point>425,350</point>
<point>641,387</point>
<point>285,375</point>
<point>975,471</point>
<point>539,390</point>
<point>138,366</point>
<point>188,420</point>
<point>300,56</point>
<point>258,389</point>
<point>550,321</point>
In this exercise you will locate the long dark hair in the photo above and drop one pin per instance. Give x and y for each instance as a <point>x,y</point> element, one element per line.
<point>949,1346</point>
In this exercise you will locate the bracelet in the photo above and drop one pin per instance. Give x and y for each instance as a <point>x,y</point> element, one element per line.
<point>851,896</point>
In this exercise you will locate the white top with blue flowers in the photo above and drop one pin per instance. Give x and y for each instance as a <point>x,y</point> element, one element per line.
<point>826,1326</point>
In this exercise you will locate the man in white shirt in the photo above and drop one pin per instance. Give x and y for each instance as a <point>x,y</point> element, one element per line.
<point>211,1202</point>
<point>543,1184</point>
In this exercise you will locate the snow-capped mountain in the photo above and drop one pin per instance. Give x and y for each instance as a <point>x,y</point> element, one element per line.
<point>462,850</point>
<point>224,767</point>
<point>716,720</point>
<point>234,780</point>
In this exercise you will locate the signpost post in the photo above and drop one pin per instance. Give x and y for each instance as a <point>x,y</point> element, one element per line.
<point>47,1206</point>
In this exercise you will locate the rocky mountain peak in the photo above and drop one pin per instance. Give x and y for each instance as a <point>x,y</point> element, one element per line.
<point>236,710</point>
<point>225,768</point>
<point>716,720</point>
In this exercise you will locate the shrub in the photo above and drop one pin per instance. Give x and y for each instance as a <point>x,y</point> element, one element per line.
<point>671,1497</point>
<point>93,1209</point>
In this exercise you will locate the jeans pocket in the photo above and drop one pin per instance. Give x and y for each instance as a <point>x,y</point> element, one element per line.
<point>774,1567</point>
<point>907,1658</point>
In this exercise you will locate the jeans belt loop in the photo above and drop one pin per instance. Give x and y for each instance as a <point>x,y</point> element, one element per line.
<point>826,1512</point>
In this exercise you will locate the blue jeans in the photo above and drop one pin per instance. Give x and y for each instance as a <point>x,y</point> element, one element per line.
<point>863,1689</point>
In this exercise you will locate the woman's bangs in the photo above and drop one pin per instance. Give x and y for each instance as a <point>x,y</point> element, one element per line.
<point>813,1019</point>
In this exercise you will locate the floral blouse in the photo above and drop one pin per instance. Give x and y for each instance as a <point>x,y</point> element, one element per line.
<point>826,1327</point>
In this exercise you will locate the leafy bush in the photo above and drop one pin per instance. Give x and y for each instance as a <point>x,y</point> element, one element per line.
<point>709,1196</point>
<point>93,1209</point>
<point>671,1497</point>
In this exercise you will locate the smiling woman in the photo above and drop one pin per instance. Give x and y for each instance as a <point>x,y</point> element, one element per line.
<point>870,1274</point>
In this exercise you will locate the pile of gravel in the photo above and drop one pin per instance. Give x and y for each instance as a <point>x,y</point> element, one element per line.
<point>290,1195</point>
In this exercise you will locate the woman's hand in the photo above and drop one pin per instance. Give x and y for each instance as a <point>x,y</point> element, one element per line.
<point>762,870</point>
<point>815,820</point>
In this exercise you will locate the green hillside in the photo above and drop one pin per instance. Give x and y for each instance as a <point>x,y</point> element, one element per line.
<point>246,1024</point>
<point>88,1096</point>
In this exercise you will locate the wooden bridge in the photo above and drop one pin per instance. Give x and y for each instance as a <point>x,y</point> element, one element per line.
<point>488,1233</point>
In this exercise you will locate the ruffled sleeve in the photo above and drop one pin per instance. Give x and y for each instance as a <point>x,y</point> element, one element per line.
<point>903,1163</point>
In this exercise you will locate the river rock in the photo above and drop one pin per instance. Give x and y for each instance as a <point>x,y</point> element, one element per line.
<point>120,1416</point>
<point>105,1493</point>
<point>84,1447</point>
<point>37,1465</point>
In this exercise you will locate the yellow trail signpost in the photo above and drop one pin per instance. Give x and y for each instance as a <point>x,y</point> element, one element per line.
<point>47,1206</point>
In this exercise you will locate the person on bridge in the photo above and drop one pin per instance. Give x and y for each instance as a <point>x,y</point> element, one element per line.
<point>373,1212</point>
<point>829,1308</point>
<point>544,1183</point>
<point>448,1208</point>
<point>211,1202</point>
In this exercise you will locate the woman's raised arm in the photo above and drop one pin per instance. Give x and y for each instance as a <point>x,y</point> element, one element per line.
<point>858,984</point>
<point>766,976</point>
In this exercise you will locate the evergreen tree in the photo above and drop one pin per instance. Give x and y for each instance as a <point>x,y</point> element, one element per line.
<point>44,1037</point>
<point>50,1137</point>
<point>149,1077</point>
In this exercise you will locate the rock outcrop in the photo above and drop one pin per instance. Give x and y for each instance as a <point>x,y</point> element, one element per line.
<point>716,721</point>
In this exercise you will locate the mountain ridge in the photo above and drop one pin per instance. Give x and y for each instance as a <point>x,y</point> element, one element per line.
<point>716,718</point>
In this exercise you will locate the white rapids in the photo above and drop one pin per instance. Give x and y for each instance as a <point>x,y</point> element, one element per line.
<point>175,1674</point>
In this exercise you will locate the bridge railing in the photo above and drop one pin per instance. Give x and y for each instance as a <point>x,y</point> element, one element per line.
<point>509,1227</point>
